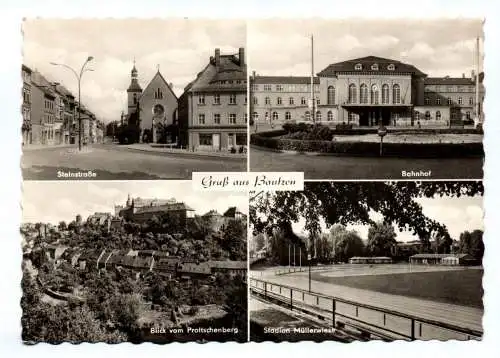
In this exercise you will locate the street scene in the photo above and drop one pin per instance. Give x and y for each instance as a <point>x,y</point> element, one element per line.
<point>360,261</point>
<point>136,261</point>
<point>101,110</point>
<point>380,100</point>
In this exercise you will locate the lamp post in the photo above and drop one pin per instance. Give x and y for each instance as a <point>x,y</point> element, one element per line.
<point>309,261</point>
<point>79,79</point>
<point>382,131</point>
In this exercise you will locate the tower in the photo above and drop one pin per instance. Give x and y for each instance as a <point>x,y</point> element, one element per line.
<point>134,91</point>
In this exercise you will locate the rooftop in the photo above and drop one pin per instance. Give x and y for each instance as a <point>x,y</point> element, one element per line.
<point>293,80</point>
<point>384,65</point>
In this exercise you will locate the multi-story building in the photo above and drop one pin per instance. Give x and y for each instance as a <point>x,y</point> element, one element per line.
<point>212,109</point>
<point>367,91</point>
<point>58,114</point>
<point>156,107</point>
<point>43,110</point>
<point>282,98</point>
<point>26,128</point>
<point>142,210</point>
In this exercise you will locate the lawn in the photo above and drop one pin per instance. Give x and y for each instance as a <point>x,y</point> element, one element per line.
<point>463,287</point>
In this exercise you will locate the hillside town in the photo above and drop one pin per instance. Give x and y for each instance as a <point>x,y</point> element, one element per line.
<point>153,265</point>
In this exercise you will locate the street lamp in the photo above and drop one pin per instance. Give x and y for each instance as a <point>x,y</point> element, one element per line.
<point>79,79</point>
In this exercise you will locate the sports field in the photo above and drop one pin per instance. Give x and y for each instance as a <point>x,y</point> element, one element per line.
<point>460,287</point>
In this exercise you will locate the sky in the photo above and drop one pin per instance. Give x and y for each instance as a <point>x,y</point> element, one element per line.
<point>458,214</point>
<point>281,47</point>
<point>181,48</point>
<point>54,201</point>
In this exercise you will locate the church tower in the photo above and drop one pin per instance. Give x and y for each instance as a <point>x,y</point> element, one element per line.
<point>134,91</point>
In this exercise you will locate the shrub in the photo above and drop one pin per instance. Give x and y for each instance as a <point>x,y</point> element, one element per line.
<point>233,150</point>
<point>412,150</point>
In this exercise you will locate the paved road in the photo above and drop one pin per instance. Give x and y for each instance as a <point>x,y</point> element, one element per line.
<point>469,317</point>
<point>354,168</point>
<point>111,161</point>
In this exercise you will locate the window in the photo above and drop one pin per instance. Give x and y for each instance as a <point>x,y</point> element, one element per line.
<point>201,99</point>
<point>318,116</point>
<point>358,67</point>
<point>245,99</point>
<point>255,100</point>
<point>241,139</point>
<point>217,118</point>
<point>467,115</point>
<point>317,101</point>
<point>290,101</point>
<point>279,88</point>
<point>255,116</point>
<point>205,139</point>
<point>268,100</point>
<point>363,94</point>
<point>303,101</point>
<point>351,117</point>
<point>391,67</point>
<point>158,94</point>
<point>438,115</point>
<point>449,101</point>
<point>427,101</point>
<point>216,98</point>
<point>460,101</point>
<point>375,67</point>
<point>275,116</point>
<point>329,116</point>
<point>438,101</point>
<point>232,118</point>
<point>374,94</point>
<point>396,94</point>
<point>135,98</point>
<point>471,101</point>
<point>232,98</point>
<point>245,118</point>
<point>331,95</point>
<point>267,88</point>
<point>385,94</point>
<point>255,87</point>
<point>417,115</point>
<point>201,118</point>
<point>352,93</point>
<point>307,116</point>
<point>288,116</point>
<point>427,115</point>
<point>279,101</point>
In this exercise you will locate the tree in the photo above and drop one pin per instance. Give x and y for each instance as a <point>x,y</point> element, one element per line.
<point>62,226</point>
<point>472,243</point>
<point>260,242</point>
<point>345,244</point>
<point>352,202</point>
<point>381,239</point>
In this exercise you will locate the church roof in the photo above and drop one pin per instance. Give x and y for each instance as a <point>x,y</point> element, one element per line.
<point>134,86</point>
<point>158,74</point>
<point>366,65</point>
<point>293,80</point>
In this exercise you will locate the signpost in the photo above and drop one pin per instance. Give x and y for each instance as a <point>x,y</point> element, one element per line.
<point>382,131</point>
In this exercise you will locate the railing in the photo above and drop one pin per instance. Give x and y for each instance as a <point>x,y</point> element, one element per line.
<point>294,269</point>
<point>370,320</point>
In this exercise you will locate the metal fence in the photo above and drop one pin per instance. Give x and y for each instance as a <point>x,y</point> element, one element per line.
<point>379,322</point>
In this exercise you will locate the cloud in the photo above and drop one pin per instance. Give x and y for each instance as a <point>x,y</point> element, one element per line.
<point>181,47</point>
<point>56,201</point>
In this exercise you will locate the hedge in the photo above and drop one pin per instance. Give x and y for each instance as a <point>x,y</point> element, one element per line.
<point>413,150</point>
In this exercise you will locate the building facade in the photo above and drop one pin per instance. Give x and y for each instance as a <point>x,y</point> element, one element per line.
<point>212,109</point>
<point>366,92</point>
<point>142,210</point>
<point>26,127</point>
<point>43,114</point>
<point>281,98</point>
<point>156,107</point>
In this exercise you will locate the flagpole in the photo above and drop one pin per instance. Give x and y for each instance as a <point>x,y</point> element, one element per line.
<point>313,101</point>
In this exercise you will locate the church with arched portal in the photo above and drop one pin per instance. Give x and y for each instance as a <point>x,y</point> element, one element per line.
<point>155,107</point>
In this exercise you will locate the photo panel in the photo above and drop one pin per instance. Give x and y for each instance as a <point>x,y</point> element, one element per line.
<point>133,261</point>
<point>361,261</point>
<point>355,99</point>
<point>133,99</point>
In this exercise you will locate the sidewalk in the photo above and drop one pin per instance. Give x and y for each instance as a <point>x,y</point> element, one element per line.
<point>185,152</point>
<point>28,147</point>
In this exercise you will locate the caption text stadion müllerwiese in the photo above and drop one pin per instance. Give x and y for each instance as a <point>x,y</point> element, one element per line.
<point>244,181</point>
